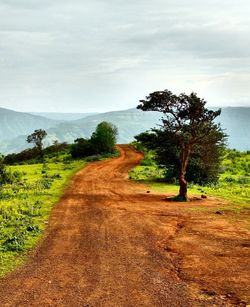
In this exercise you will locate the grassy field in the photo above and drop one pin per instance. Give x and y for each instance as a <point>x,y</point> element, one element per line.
<point>233,184</point>
<point>25,206</point>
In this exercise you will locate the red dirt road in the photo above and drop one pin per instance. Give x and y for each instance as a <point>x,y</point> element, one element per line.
<point>109,243</point>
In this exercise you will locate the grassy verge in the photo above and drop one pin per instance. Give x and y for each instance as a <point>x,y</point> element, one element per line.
<point>25,206</point>
<point>233,184</point>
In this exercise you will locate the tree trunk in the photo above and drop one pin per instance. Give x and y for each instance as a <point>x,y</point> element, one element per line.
<point>183,189</point>
<point>182,181</point>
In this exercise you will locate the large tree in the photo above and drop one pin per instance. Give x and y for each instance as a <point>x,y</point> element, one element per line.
<point>189,126</point>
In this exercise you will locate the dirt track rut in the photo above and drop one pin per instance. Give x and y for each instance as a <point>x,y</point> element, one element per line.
<point>103,246</point>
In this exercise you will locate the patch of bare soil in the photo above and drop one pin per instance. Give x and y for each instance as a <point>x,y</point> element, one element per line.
<point>110,243</point>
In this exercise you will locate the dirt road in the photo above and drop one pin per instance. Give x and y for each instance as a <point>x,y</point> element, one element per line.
<point>109,243</point>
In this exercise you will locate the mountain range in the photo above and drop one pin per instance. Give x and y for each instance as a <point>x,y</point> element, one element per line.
<point>62,116</point>
<point>15,126</point>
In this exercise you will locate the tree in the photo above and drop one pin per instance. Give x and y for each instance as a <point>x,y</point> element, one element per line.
<point>104,137</point>
<point>102,141</point>
<point>188,126</point>
<point>82,148</point>
<point>37,138</point>
<point>203,166</point>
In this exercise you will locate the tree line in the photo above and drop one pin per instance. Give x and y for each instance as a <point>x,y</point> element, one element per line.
<point>101,142</point>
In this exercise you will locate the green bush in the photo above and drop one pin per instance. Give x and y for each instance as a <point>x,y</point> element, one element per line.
<point>101,142</point>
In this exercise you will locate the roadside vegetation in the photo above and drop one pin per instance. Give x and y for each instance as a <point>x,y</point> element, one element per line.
<point>232,184</point>
<point>102,141</point>
<point>188,138</point>
<point>189,151</point>
<point>32,181</point>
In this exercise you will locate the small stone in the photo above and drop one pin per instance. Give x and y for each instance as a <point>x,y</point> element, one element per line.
<point>218,212</point>
<point>50,281</point>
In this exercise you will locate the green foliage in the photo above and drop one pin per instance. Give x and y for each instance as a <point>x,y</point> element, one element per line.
<point>25,205</point>
<point>7,176</point>
<point>188,131</point>
<point>104,138</point>
<point>204,162</point>
<point>146,173</point>
<point>233,182</point>
<point>33,155</point>
<point>27,199</point>
<point>149,155</point>
<point>2,171</point>
<point>82,148</point>
<point>37,138</point>
<point>102,141</point>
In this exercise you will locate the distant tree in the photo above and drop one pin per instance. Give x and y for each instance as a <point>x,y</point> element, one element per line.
<point>37,138</point>
<point>25,155</point>
<point>104,137</point>
<point>33,155</point>
<point>102,141</point>
<point>188,128</point>
<point>82,148</point>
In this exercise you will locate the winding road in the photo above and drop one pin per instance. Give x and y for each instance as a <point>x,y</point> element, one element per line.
<point>103,246</point>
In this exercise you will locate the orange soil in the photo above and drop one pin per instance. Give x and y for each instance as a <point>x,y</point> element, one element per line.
<point>109,243</point>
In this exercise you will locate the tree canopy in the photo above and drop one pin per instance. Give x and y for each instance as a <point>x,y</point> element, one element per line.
<point>188,130</point>
<point>37,138</point>
<point>104,137</point>
<point>102,141</point>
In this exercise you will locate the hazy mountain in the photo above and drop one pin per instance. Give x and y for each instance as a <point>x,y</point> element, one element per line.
<point>131,122</point>
<point>236,122</point>
<point>63,116</point>
<point>13,124</point>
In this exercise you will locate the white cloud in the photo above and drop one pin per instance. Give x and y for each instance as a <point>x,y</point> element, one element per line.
<point>107,54</point>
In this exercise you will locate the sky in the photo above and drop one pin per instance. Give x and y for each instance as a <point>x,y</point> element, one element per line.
<point>102,55</point>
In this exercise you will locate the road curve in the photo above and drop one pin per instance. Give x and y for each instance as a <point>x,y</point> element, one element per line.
<point>101,247</point>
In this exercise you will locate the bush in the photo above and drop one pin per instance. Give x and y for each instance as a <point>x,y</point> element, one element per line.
<point>7,176</point>
<point>104,138</point>
<point>14,242</point>
<point>33,155</point>
<point>82,148</point>
<point>25,155</point>
<point>101,142</point>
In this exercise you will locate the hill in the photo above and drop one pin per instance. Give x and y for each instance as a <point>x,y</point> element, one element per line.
<point>236,122</point>
<point>14,124</point>
<point>62,116</point>
<point>129,122</point>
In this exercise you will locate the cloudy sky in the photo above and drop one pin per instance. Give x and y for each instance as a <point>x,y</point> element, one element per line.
<point>100,55</point>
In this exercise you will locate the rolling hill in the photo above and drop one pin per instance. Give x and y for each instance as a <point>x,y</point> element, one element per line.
<point>129,122</point>
<point>14,123</point>
<point>62,116</point>
<point>236,122</point>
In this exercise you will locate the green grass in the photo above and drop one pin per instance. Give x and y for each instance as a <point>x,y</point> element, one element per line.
<point>233,184</point>
<point>25,207</point>
<point>146,173</point>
